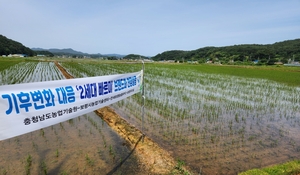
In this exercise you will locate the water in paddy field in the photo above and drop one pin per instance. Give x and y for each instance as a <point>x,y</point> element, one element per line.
<point>27,72</point>
<point>224,147</point>
<point>221,124</point>
<point>83,145</point>
<point>216,124</point>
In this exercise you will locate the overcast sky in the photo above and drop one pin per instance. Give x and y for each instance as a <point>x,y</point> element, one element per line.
<point>147,27</point>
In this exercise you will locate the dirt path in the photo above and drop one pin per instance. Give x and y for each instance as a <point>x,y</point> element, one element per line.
<point>152,158</point>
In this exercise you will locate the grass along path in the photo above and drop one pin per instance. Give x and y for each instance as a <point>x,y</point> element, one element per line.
<point>289,168</point>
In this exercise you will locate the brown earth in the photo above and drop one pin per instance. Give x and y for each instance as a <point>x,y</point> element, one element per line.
<point>151,157</point>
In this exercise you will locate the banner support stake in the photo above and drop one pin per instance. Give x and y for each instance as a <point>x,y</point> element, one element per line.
<point>143,98</point>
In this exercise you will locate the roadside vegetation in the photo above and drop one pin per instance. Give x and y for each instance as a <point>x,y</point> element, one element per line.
<point>288,168</point>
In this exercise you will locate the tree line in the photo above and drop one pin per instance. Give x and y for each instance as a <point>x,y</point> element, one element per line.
<point>284,52</point>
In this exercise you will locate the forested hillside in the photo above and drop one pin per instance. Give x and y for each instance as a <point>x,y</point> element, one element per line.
<point>239,54</point>
<point>8,46</point>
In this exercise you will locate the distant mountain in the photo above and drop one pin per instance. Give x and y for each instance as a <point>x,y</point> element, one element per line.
<point>8,46</point>
<point>72,52</point>
<point>114,55</point>
<point>67,51</point>
<point>38,49</point>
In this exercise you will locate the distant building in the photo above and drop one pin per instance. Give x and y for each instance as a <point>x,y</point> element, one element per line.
<point>171,61</point>
<point>278,63</point>
<point>17,55</point>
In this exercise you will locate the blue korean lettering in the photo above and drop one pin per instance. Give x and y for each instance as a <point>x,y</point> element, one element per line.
<point>24,98</point>
<point>123,83</point>
<point>65,95</point>
<point>87,90</point>
<point>131,81</point>
<point>100,88</point>
<point>117,85</point>
<point>70,94</point>
<point>105,87</point>
<point>134,81</point>
<point>12,103</point>
<point>93,89</point>
<point>80,88</point>
<point>62,95</point>
<point>37,97</point>
<point>120,84</point>
<point>49,97</point>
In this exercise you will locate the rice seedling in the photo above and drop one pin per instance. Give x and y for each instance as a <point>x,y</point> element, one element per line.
<point>89,161</point>
<point>56,153</point>
<point>43,168</point>
<point>28,164</point>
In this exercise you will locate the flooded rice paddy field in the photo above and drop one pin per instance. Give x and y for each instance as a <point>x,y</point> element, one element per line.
<point>26,72</point>
<point>83,145</point>
<point>217,124</point>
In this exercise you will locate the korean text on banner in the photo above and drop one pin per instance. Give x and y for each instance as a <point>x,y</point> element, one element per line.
<point>32,106</point>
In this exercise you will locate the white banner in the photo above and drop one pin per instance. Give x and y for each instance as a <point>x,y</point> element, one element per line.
<point>32,106</point>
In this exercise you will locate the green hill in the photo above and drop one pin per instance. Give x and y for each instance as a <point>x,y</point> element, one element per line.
<point>8,46</point>
<point>237,54</point>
